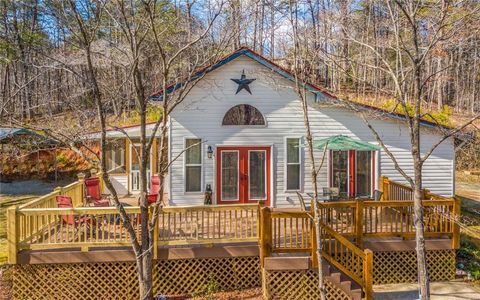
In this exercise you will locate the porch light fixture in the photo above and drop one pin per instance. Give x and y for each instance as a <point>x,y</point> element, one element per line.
<point>209,152</point>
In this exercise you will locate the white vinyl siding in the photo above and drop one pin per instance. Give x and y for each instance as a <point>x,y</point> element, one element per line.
<point>202,112</point>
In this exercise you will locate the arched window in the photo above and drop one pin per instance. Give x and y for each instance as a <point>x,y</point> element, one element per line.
<point>243,114</point>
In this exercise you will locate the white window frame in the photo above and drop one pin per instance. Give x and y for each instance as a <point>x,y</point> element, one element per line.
<point>266,175</point>
<point>185,165</point>
<point>300,160</point>
<point>238,176</point>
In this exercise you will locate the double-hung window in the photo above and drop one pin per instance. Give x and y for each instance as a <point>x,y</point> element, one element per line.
<point>293,164</point>
<point>193,165</point>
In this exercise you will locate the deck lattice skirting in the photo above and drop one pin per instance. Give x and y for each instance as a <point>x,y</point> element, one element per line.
<point>118,280</point>
<point>299,284</point>
<point>401,266</point>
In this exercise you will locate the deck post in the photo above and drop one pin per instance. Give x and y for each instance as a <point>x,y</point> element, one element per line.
<point>12,234</point>
<point>385,186</point>
<point>58,190</point>
<point>265,234</point>
<point>81,181</point>
<point>359,223</point>
<point>456,228</point>
<point>265,286</point>
<point>368,274</point>
<point>426,195</point>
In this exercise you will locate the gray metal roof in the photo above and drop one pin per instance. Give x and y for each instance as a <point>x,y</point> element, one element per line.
<point>7,133</point>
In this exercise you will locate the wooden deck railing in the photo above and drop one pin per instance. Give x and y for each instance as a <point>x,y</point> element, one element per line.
<point>383,219</point>
<point>208,224</point>
<point>348,258</point>
<point>291,231</point>
<point>285,231</point>
<point>81,227</point>
<point>393,190</point>
<point>87,227</point>
<point>74,190</point>
<point>396,218</point>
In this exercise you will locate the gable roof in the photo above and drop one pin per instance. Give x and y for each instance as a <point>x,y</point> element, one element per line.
<point>320,93</point>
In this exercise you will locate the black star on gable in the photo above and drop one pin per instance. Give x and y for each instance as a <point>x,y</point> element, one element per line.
<point>243,83</point>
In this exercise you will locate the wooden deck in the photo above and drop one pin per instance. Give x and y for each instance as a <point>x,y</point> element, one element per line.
<point>40,233</point>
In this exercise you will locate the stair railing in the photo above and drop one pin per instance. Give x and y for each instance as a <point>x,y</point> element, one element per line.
<point>284,231</point>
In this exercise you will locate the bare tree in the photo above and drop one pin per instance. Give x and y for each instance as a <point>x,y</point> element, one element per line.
<point>299,72</point>
<point>410,77</point>
<point>142,29</point>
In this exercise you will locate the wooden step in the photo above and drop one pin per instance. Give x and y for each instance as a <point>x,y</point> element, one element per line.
<point>346,285</point>
<point>356,294</point>
<point>335,278</point>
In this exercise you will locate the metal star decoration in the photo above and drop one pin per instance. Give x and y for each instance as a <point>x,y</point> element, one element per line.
<point>243,83</point>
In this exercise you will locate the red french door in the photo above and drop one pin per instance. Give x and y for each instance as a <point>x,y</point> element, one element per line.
<point>243,174</point>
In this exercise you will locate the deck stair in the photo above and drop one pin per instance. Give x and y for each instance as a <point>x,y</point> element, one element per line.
<point>301,263</point>
<point>342,282</point>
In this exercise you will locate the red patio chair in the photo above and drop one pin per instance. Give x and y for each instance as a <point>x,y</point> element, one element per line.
<point>153,193</point>
<point>66,202</point>
<point>152,196</point>
<point>94,194</point>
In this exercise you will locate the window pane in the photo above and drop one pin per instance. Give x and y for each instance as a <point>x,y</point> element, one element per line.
<point>257,176</point>
<point>293,150</point>
<point>115,156</point>
<point>364,173</point>
<point>340,171</point>
<point>230,175</point>
<point>243,114</point>
<point>193,154</point>
<point>135,164</point>
<point>193,181</point>
<point>293,177</point>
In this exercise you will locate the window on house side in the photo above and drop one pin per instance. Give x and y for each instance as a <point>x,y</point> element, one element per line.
<point>115,155</point>
<point>293,164</point>
<point>193,165</point>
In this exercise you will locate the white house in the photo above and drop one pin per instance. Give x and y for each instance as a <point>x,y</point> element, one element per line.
<point>246,121</point>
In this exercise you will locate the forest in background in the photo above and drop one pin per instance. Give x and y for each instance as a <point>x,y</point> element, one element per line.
<point>43,71</point>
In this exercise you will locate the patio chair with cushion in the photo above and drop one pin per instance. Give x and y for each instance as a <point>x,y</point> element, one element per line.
<point>93,193</point>
<point>153,195</point>
<point>76,221</point>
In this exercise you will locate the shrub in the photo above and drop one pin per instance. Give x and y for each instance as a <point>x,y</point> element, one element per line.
<point>441,117</point>
<point>469,258</point>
